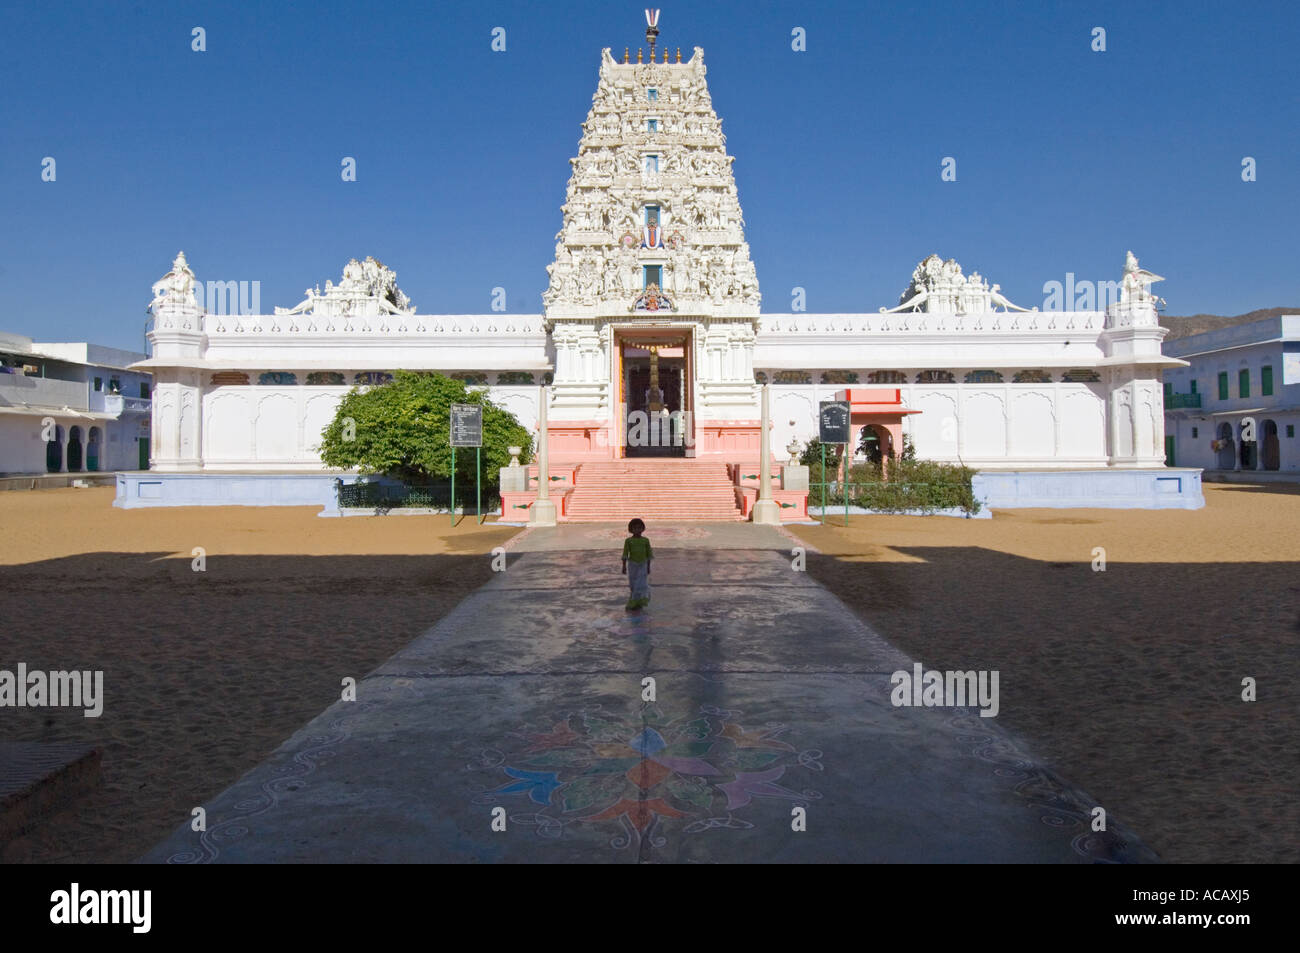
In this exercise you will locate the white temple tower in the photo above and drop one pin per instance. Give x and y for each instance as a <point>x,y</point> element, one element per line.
<point>653,302</point>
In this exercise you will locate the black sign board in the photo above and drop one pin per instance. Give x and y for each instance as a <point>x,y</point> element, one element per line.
<point>833,421</point>
<point>466,425</point>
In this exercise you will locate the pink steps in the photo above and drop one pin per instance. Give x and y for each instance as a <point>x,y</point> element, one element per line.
<point>653,489</point>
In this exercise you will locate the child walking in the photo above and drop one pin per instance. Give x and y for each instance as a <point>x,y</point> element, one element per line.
<point>636,565</point>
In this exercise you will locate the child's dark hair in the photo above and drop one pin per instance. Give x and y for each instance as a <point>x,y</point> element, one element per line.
<point>635,525</point>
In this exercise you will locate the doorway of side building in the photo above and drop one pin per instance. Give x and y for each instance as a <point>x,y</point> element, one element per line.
<point>54,452</point>
<point>94,449</point>
<point>1248,448</point>
<point>655,393</point>
<point>1270,446</point>
<point>1169,451</point>
<point>74,450</point>
<point>1227,452</point>
<point>143,443</point>
<point>876,444</point>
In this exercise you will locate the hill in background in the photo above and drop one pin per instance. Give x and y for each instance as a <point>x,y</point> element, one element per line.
<point>1181,327</point>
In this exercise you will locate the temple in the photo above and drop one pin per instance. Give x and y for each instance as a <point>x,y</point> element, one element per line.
<point>654,345</point>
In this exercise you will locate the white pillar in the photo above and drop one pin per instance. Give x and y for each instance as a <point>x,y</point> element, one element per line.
<point>543,511</point>
<point>1008,412</point>
<point>766,509</point>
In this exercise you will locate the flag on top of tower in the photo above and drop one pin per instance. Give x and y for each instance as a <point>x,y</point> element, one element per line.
<point>651,32</point>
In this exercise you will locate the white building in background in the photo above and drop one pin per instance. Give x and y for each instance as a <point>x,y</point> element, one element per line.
<point>653,305</point>
<point>71,408</point>
<point>1236,405</point>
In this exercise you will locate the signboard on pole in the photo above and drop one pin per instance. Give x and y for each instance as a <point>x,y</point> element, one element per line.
<point>466,425</point>
<point>833,421</point>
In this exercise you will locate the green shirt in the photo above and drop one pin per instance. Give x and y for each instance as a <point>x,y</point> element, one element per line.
<point>636,549</point>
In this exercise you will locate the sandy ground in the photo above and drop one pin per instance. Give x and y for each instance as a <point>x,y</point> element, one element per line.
<point>205,673</point>
<point>1127,681</point>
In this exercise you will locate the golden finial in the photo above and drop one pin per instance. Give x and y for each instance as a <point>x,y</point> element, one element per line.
<point>665,55</point>
<point>638,54</point>
<point>627,57</point>
<point>679,54</point>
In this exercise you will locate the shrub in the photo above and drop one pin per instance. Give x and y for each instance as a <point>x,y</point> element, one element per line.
<point>914,485</point>
<point>402,429</point>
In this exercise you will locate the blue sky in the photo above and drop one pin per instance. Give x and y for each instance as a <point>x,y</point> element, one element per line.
<point>1066,157</point>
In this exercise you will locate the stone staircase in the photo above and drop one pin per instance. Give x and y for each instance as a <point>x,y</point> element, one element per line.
<point>654,490</point>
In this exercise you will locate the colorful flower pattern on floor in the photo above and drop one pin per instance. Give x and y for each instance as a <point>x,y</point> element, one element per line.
<point>645,778</point>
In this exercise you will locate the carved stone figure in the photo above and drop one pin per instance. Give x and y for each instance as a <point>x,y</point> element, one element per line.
<point>682,272</point>
<point>627,269</point>
<point>175,290</point>
<point>999,300</point>
<point>587,281</point>
<point>353,276</point>
<point>1136,284</point>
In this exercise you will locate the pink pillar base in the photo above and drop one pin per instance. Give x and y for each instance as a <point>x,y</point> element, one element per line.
<point>579,440</point>
<point>729,439</point>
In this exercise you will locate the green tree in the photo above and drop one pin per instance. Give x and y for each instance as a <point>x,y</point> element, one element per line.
<point>402,429</point>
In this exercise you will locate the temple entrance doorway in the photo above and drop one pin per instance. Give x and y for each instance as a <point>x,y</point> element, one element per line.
<point>655,389</point>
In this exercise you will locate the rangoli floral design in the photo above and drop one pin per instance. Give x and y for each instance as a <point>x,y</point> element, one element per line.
<point>645,775</point>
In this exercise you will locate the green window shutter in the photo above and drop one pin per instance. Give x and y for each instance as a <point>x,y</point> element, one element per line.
<point>1193,385</point>
<point>1223,385</point>
<point>1169,391</point>
<point>1243,382</point>
<point>1266,380</point>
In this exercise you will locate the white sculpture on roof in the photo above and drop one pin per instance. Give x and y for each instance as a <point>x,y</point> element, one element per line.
<point>177,285</point>
<point>174,303</point>
<point>367,289</point>
<point>1136,284</point>
<point>939,286</point>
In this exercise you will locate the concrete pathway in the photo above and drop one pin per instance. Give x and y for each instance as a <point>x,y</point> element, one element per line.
<point>770,695</point>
